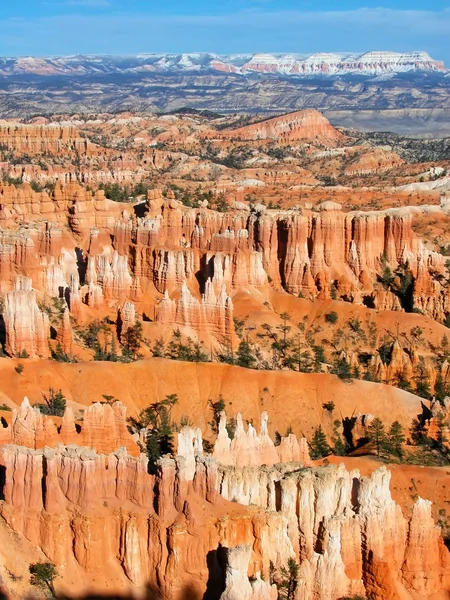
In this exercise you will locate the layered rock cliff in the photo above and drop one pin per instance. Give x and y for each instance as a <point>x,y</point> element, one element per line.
<point>103,428</point>
<point>43,139</point>
<point>303,125</point>
<point>27,327</point>
<point>175,532</point>
<point>197,259</point>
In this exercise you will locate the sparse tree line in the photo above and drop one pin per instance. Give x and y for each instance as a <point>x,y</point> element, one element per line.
<point>415,446</point>
<point>296,348</point>
<point>350,350</point>
<point>100,337</point>
<point>349,353</point>
<point>194,198</point>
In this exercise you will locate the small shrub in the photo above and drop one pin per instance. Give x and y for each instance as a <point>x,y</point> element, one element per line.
<point>329,406</point>
<point>217,407</point>
<point>59,355</point>
<point>109,399</point>
<point>55,403</point>
<point>185,421</point>
<point>43,575</point>
<point>342,369</point>
<point>331,317</point>
<point>355,325</point>
<point>19,368</point>
<point>386,278</point>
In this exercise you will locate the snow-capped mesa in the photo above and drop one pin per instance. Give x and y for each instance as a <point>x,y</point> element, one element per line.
<point>327,64</point>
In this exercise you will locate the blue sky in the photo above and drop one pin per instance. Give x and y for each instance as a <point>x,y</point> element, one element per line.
<point>50,27</point>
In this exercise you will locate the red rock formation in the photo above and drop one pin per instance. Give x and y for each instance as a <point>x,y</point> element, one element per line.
<point>172,268</point>
<point>44,139</point>
<point>374,161</point>
<point>344,530</point>
<point>27,328</point>
<point>121,257</point>
<point>303,125</point>
<point>64,336</point>
<point>127,317</point>
<point>212,314</point>
<point>104,429</point>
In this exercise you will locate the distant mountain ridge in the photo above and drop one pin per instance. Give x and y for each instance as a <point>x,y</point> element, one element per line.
<point>326,64</point>
<point>381,91</point>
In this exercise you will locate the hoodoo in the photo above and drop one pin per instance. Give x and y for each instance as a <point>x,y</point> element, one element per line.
<point>171,278</point>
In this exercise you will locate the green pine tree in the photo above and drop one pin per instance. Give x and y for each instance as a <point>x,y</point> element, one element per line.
<point>43,575</point>
<point>342,369</point>
<point>152,449</point>
<point>440,389</point>
<point>55,403</point>
<point>422,380</point>
<point>132,340</point>
<point>338,443</point>
<point>395,439</point>
<point>376,434</point>
<point>245,357</point>
<point>156,418</point>
<point>159,348</point>
<point>289,581</point>
<point>319,444</point>
<point>419,434</point>
<point>441,438</point>
<point>401,381</point>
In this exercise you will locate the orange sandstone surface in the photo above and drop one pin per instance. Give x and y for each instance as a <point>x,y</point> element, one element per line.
<point>291,399</point>
<point>242,232</point>
<point>108,524</point>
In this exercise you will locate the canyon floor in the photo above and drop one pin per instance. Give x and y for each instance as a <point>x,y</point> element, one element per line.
<point>225,358</point>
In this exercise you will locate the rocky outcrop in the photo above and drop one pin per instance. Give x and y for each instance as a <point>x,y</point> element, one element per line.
<point>127,317</point>
<point>27,327</point>
<point>212,313</point>
<point>303,125</point>
<point>105,511</point>
<point>103,429</point>
<point>305,253</point>
<point>43,139</point>
<point>64,336</point>
<point>237,584</point>
<point>379,159</point>
<point>198,259</point>
<point>344,531</point>
<point>248,449</point>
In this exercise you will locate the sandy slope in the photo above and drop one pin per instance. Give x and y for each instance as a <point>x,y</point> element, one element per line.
<point>290,398</point>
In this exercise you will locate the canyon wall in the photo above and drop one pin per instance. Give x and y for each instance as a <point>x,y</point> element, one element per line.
<point>98,255</point>
<point>303,125</point>
<point>198,523</point>
<point>43,139</point>
<point>102,426</point>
